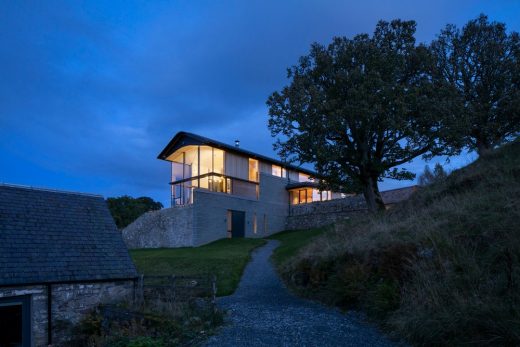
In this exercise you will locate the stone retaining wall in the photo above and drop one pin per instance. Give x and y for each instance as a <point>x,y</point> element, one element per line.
<point>169,227</point>
<point>318,214</point>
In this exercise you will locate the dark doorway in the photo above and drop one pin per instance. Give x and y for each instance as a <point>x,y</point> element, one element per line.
<point>238,223</point>
<point>15,322</point>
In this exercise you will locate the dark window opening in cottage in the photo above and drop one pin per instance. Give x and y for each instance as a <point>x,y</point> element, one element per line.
<point>11,323</point>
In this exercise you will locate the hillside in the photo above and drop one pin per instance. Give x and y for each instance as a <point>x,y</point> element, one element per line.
<point>440,269</point>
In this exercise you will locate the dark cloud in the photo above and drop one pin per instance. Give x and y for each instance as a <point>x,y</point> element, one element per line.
<point>90,92</point>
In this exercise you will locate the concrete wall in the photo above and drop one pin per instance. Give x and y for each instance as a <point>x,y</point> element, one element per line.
<point>169,227</point>
<point>69,303</point>
<point>272,208</point>
<point>318,214</point>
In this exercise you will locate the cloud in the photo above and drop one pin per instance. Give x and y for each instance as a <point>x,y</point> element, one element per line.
<point>92,91</point>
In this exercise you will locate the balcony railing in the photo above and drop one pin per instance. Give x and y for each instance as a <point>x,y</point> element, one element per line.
<point>182,190</point>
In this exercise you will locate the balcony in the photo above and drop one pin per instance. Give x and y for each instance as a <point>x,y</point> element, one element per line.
<point>182,190</point>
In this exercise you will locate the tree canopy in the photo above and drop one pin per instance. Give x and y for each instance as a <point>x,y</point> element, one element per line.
<point>125,209</point>
<point>359,108</point>
<point>481,62</point>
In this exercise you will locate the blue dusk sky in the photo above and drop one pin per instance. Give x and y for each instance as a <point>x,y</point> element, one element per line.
<point>91,91</point>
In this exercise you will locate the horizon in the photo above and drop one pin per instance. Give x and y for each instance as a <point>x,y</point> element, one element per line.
<point>91,93</point>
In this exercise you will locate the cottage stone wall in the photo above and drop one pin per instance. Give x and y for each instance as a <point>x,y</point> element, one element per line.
<point>169,227</point>
<point>69,303</point>
<point>318,214</point>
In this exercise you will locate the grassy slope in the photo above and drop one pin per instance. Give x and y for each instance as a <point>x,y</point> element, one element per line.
<point>291,242</point>
<point>224,258</point>
<point>440,269</point>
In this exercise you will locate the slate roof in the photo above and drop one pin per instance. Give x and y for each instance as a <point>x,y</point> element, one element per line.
<point>50,236</point>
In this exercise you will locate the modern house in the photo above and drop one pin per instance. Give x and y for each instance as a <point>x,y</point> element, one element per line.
<point>60,255</point>
<point>220,190</point>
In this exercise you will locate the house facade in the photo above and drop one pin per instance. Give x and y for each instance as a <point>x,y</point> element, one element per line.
<point>60,256</point>
<point>218,191</point>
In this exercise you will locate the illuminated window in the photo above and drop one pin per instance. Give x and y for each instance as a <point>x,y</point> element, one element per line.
<point>253,170</point>
<point>191,162</point>
<point>218,161</point>
<point>304,178</point>
<point>316,195</point>
<point>294,198</point>
<point>206,160</point>
<point>254,224</point>
<point>304,196</point>
<point>277,170</point>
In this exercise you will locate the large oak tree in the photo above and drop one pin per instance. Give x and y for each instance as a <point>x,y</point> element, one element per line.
<point>481,62</point>
<point>359,108</point>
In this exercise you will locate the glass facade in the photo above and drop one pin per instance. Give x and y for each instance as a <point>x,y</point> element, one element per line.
<point>307,195</point>
<point>203,167</point>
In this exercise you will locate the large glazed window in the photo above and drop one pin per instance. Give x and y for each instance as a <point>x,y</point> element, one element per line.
<point>307,195</point>
<point>253,170</point>
<point>277,170</point>
<point>204,167</point>
<point>218,161</point>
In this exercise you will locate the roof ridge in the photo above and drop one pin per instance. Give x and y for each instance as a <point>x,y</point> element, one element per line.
<point>51,190</point>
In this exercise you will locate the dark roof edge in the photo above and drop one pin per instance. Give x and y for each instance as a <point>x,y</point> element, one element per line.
<point>51,190</point>
<point>295,185</point>
<point>217,144</point>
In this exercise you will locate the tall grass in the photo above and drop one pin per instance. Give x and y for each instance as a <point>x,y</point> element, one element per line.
<point>442,268</point>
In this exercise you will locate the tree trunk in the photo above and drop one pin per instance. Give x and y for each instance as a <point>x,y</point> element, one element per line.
<point>483,146</point>
<point>372,196</point>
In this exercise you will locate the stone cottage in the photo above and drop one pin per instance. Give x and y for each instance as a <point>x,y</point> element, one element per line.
<point>60,255</point>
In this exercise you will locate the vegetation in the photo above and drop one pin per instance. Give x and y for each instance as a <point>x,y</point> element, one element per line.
<point>291,242</point>
<point>125,209</point>
<point>439,269</point>
<point>225,258</point>
<point>481,63</point>
<point>428,176</point>
<point>361,107</point>
<point>163,325</point>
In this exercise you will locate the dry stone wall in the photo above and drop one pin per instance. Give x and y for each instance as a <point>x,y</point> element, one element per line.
<point>318,214</point>
<point>169,227</point>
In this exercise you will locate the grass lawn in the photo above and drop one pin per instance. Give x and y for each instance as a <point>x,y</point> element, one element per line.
<point>225,258</point>
<point>292,241</point>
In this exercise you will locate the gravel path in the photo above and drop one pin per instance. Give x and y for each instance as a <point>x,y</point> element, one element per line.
<point>262,312</point>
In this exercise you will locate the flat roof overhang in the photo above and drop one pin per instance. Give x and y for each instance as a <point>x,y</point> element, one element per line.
<point>297,185</point>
